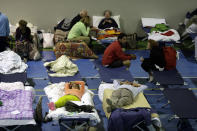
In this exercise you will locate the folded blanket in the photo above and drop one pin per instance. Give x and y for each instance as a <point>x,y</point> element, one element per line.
<point>17,105</point>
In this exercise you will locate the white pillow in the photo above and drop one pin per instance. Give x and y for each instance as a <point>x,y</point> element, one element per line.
<point>152,21</point>
<point>48,40</point>
<point>135,90</point>
<point>97,20</point>
<point>12,29</point>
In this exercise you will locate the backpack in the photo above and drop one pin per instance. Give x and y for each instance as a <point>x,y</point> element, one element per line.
<point>131,41</point>
<point>64,25</point>
<point>184,125</point>
<point>170,57</point>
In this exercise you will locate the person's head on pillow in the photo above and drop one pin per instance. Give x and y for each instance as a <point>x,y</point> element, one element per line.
<point>73,85</point>
<point>107,13</point>
<point>86,21</point>
<point>83,13</point>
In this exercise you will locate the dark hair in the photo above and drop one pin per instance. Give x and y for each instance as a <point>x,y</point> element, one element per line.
<point>71,85</point>
<point>121,35</point>
<point>107,11</point>
<point>23,23</point>
<point>153,43</point>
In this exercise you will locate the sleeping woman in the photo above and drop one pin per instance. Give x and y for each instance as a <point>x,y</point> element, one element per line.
<point>107,22</point>
<point>73,92</point>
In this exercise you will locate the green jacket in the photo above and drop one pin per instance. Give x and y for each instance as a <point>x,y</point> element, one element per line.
<point>79,29</point>
<point>160,27</point>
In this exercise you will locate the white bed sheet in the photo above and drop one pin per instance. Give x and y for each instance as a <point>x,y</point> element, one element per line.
<point>55,91</point>
<point>16,122</point>
<point>151,22</point>
<point>157,36</point>
<point>114,86</point>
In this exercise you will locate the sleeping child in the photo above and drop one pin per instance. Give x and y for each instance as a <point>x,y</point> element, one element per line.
<point>73,92</point>
<point>121,96</point>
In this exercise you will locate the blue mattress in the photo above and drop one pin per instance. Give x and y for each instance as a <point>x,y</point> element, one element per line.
<point>48,56</point>
<point>183,102</point>
<point>14,77</point>
<point>170,77</point>
<point>76,77</point>
<point>109,74</point>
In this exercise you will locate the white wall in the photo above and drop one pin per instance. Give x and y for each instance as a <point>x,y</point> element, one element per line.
<point>45,13</point>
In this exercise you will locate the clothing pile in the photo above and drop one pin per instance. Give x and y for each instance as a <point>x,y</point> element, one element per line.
<point>169,35</point>
<point>11,63</point>
<point>62,67</point>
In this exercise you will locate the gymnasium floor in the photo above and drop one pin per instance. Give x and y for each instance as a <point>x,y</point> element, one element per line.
<point>186,65</point>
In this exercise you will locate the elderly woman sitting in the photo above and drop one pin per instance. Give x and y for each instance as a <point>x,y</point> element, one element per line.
<point>107,22</point>
<point>23,33</point>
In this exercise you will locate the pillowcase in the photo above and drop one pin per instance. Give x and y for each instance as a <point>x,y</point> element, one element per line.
<point>151,22</point>
<point>97,20</point>
<point>135,90</point>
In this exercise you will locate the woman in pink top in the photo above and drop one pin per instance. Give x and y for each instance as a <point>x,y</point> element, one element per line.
<point>73,92</point>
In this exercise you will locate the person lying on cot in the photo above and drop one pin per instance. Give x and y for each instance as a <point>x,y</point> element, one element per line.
<point>114,56</point>
<point>73,92</point>
<point>107,22</point>
<point>156,60</point>
<point>121,97</point>
<point>81,30</point>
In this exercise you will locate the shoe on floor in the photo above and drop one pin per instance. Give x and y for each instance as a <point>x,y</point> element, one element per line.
<point>109,102</point>
<point>151,78</point>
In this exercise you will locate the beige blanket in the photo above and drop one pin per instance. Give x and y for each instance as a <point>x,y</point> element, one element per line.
<point>140,101</point>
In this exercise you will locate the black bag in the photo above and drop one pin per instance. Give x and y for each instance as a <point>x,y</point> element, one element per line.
<point>72,107</point>
<point>184,125</point>
<point>64,25</point>
<point>131,41</point>
<point>97,48</point>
